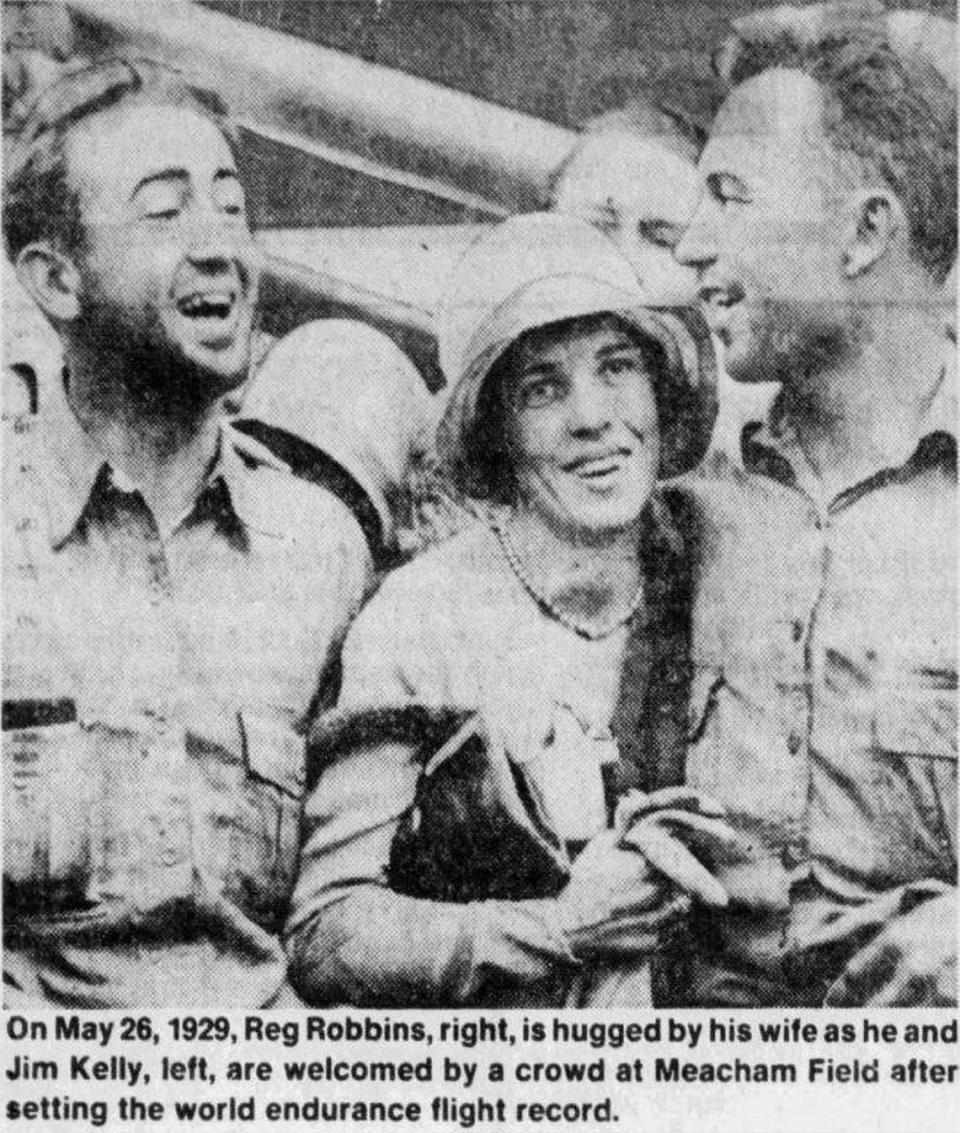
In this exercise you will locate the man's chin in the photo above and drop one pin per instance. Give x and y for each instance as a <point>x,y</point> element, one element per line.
<point>751,372</point>
<point>753,362</point>
<point>220,371</point>
<point>184,382</point>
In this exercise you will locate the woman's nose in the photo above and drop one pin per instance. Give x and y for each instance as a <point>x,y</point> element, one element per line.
<point>591,406</point>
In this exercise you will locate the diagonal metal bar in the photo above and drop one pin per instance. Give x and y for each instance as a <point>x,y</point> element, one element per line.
<point>375,169</point>
<point>291,85</point>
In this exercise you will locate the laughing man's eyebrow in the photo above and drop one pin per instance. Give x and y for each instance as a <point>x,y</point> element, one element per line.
<point>179,175</point>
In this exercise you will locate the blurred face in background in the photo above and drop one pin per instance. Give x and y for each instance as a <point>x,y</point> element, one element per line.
<point>642,193</point>
<point>582,425</point>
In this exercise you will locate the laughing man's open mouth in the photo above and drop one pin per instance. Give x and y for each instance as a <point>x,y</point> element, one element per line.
<point>207,304</point>
<point>214,313</point>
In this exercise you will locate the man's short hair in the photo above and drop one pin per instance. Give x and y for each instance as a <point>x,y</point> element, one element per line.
<point>892,113</point>
<point>642,119</point>
<point>39,200</point>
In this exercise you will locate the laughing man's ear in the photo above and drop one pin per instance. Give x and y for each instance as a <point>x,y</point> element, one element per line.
<point>876,222</point>
<point>52,280</point>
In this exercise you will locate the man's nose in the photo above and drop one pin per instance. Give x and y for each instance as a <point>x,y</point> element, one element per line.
<point>698,246</point>
<point>590,407</point>
<point>218,238</point>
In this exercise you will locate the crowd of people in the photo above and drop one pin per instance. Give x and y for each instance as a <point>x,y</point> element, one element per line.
<point>622,672</point>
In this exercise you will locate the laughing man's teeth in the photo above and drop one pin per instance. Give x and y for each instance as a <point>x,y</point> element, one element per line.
<point>206,306</point>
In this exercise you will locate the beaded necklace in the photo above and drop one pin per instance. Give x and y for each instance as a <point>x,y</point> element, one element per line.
<point>590,633</point>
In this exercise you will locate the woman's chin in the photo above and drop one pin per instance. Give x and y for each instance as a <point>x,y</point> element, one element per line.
<point>600,522</point>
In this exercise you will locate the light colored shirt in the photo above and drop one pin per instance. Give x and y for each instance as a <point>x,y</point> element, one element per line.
<point>453,628</point>
<point>153,685</point>
<point>824,703</point>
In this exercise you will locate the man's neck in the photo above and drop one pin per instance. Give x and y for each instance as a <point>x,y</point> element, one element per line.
<point>866,414</point>
<point>163,449</point>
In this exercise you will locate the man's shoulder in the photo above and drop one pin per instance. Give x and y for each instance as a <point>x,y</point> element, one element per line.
<point>720,469</point>
<point>270,500</point>
<point>448,572</point>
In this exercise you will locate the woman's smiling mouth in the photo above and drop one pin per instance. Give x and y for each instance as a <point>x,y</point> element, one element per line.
<point>597,468</point>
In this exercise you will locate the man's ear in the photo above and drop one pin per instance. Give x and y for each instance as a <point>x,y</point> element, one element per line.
<point>876,220</point>
<point>51,278</point>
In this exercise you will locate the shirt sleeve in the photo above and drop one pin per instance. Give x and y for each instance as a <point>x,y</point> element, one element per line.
<point>395,652</point>
<point>340,577</point>
<point>350,938</point>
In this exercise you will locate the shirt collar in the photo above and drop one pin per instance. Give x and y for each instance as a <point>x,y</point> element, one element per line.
<point>77,464</point>
<point>770,446</point>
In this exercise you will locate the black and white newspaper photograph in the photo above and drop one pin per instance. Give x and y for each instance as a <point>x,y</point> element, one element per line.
<point>479,566</point>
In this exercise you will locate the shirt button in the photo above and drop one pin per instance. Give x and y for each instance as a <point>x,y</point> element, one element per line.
<point>796,629</point>
<point>794,742</point>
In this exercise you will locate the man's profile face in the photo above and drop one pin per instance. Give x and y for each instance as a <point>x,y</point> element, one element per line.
<point>169,269</point>
<point>768,232</point>
<point>642,195</point>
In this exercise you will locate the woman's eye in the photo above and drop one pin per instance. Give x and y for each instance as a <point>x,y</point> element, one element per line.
<point>537,394</point>
<point>620,364</point>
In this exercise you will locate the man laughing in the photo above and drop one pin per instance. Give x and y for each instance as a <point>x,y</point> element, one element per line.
<point>174,599</point>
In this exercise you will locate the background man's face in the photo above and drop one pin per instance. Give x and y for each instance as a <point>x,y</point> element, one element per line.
<point>768,230</point>
<point>642,195</point>
<point>169,269</point>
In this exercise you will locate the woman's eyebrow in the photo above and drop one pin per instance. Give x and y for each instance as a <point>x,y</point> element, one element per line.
<point>619,347</point>
<point>538,369</point>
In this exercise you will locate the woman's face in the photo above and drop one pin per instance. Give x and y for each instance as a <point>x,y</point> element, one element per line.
<point>582,426</point>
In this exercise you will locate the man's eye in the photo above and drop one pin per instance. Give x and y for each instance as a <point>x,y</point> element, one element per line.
<point>160,201</point>
<point>728,190</point>
<point>605,218</point>
<point>170,212</point>
<point>661,233</point>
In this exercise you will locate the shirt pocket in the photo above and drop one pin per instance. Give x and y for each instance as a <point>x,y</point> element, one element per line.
<point>46,795</point>
<point>252,817</point>
<point>914,776</point>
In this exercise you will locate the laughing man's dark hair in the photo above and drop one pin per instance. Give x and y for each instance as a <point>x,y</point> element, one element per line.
<point>39,201</point>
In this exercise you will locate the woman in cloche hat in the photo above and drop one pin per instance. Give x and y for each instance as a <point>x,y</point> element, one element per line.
<point>559,623</point>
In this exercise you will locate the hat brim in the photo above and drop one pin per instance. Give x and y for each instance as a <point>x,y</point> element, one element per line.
<point>686,393</point>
